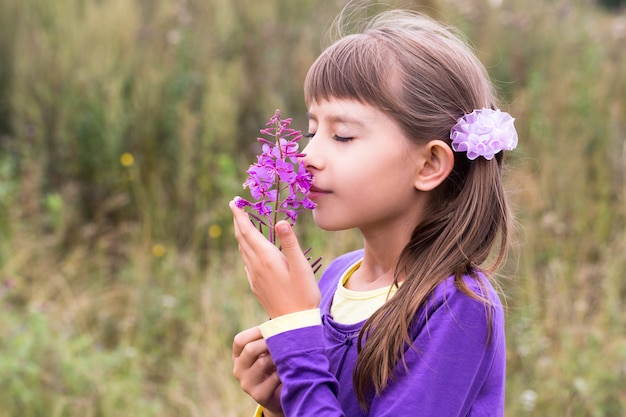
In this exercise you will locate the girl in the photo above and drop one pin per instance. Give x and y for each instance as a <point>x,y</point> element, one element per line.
<point>405,145</point>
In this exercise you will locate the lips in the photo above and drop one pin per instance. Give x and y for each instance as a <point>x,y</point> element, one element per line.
<point>318,189</point>
<point>315,192</point>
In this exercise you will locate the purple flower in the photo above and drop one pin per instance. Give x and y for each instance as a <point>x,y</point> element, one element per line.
<point>484,132</point>
<point>302,180</point>
<point>278,182</point>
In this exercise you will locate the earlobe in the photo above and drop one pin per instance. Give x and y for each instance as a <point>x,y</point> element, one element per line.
<point>437,163</point>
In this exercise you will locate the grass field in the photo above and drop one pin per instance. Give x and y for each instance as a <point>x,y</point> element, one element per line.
<point>126,127</point>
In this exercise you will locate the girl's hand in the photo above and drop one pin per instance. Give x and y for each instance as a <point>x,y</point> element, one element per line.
<point>254,369</point>
<point>283,282</point>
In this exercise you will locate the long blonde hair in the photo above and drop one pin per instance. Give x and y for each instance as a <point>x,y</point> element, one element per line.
<point>424,76</point>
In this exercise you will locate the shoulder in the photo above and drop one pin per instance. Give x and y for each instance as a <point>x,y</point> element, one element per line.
<point>340,265</point>
<point>331,275</point>
<point>346,259</point>
<point>470,288</point>
<point>470,303</point>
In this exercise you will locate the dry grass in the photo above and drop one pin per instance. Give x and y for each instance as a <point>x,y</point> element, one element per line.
<point>119,280</point>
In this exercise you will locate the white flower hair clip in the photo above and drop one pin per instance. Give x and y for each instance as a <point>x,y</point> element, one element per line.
<point>484,132</point>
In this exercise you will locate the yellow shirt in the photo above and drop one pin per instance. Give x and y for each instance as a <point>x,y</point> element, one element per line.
<point>351,306</point>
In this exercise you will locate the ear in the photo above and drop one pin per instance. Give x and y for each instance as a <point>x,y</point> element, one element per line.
<point>437,161</point>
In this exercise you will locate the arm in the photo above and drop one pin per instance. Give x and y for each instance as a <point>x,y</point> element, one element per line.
<point>450,371</point>
<point>283,283</point>
<point>311,389</point>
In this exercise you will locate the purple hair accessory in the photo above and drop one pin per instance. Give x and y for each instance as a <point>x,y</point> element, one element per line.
<point>484,132</point>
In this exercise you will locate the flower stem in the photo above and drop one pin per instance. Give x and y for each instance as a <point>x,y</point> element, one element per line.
<point>278,184</point>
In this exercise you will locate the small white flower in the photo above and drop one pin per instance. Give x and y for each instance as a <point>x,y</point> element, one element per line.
<point>528,398</point>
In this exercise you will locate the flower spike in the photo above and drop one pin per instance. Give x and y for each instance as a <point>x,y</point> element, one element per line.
<point>278,182</point>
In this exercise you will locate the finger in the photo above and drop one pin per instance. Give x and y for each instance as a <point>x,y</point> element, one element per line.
<point>291,249</point>
<point>251,241</point>
<point>246,233</point>
<point>237,222</point>
<point>253,367</point>
<point>240,222</point>
<point>244,338</point>
<point>264,391</point>
<point>254,363</point>
<point>288,239</point>
<point>243,224</point>
<point>300,271</point>
<point>252,370</point>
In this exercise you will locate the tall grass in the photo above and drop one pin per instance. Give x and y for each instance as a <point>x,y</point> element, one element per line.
<point>126,126</point>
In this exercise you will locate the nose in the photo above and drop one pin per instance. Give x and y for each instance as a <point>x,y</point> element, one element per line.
<point>312,156</point>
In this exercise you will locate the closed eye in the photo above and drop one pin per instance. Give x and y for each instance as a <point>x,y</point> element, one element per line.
<point>335,137</point>
<point>342,138</point>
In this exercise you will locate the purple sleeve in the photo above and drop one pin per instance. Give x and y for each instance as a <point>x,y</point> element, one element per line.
<point>309,388</point>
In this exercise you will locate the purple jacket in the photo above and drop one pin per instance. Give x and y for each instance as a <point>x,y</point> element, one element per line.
<point>452,372</point>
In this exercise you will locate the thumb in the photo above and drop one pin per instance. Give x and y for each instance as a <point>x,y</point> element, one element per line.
<point>306,293</point>
<point>288,239</point>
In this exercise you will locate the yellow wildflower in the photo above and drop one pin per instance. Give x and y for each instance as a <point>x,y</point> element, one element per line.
<point>158,250</point>
<point>215,231</point>
<point>127,159</point>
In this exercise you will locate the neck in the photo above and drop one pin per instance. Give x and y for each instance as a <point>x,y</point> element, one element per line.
<point>381,252</point>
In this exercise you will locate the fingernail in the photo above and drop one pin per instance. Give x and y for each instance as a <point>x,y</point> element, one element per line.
<point>282,227</point>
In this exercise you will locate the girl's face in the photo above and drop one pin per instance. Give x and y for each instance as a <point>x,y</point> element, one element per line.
<point>364,169</point>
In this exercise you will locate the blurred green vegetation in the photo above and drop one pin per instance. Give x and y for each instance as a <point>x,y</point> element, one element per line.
<point>127,125</point>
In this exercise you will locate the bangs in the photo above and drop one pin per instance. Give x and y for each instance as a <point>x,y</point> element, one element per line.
<point>357,67</point>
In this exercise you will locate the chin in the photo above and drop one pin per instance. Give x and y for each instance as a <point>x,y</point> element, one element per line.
<point>320,221</point>
<point>327,224</point>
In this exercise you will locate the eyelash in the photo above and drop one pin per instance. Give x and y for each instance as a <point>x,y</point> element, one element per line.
<point>342,139</point>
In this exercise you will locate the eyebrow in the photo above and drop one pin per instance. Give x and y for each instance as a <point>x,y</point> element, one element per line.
<point>340,118</point>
